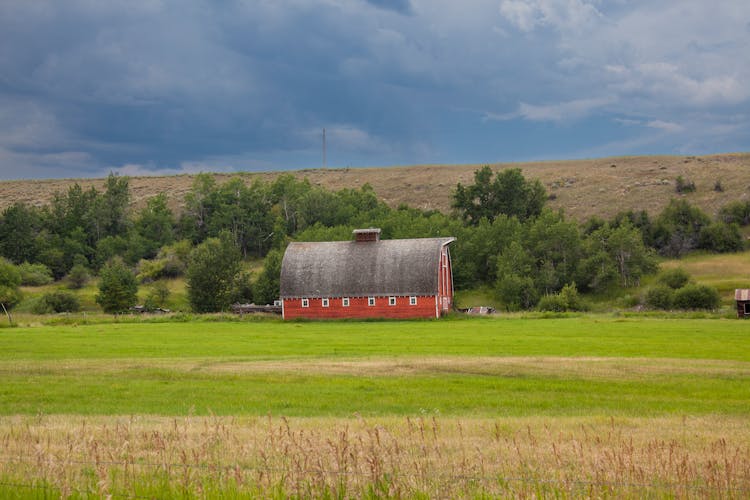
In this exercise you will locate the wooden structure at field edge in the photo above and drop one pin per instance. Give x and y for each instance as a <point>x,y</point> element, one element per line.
<point>367,278</point>
<point>742,297</point>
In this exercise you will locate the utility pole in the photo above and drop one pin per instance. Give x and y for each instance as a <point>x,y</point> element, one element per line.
<point>324,148</point>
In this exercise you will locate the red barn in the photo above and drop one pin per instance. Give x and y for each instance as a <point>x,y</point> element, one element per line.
<point>367,278</point>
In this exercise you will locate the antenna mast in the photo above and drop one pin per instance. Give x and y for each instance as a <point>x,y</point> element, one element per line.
<point>324,148</point>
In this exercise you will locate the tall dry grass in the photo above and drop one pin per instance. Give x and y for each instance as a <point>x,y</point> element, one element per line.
<point>429,456</point>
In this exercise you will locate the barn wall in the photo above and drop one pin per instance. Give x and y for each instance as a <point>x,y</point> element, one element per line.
<point>358,308</point>
<point>741,309</point>
<point>445,282</point>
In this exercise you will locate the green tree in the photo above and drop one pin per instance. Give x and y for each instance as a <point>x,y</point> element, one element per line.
<point>555,246</point>
<point>118,287</point>
<point>508,193</point>
<point>19,229</point>
<point>78,276</point>
<point>615,255</point>
<point>210,274</point>
<point>515,285</point>
<point>10,280</point>
<point>266,287</point>
<point>678,228</point>
<point>155,225</point>
<point>721,237</point>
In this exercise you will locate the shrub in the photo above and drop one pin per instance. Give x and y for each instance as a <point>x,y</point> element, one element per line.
<point>553,302</point>
<point>696,296</point>
<point>567,300</point>
<point>35,274</point>
<point>517,292</point>
<point>684,186</point>
<point>721,237</point>
<point>737,212</point>
<point>674,278</point>
<point>157,296</point>
<point>57,302</point>
<point>660,297</point>
<point>78,276</point>
<point>718,187</point>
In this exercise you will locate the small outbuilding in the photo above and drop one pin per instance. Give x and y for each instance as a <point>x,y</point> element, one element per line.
<point>367,278</point>
<point>742,297</point>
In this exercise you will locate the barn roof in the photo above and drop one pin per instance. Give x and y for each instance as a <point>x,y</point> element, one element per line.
<point>741,294</point>
<point>359,269</point>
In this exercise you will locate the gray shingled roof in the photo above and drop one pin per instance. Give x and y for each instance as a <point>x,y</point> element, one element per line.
<point>362,269</point>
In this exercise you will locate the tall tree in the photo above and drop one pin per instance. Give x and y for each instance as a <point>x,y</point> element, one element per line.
<point>155,225</point>
<point>118,288</point>
<point>10,280</point>
<point>19,229</point>
<point>508,193</point>
<point>210,274</point>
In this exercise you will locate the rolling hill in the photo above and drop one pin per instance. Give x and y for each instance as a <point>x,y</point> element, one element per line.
<point>582,188</point>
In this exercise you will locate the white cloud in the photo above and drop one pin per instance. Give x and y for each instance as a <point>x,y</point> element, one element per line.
<point>665,126</point>
<point>557,112</point>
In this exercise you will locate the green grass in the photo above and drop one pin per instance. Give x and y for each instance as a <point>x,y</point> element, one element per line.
<point>182,368</point>
<point>177,300</point>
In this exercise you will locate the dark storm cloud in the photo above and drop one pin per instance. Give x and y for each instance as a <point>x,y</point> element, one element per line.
<point>168,85</point>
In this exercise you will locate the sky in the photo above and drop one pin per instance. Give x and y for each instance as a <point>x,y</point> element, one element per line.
<point>141,87</point>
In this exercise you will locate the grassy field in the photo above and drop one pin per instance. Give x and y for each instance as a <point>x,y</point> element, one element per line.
<point>588,405</point>
<point>481,367</point>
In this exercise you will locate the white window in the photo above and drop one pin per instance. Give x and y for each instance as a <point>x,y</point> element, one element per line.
<point>391,301</point>
<point>370,301</point>
<point>324,302</point>
<point>345,302</point>
<point>305,302</point>
<point>412,301</point>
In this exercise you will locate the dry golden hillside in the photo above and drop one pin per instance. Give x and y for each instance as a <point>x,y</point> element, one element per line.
<point>581,187</point>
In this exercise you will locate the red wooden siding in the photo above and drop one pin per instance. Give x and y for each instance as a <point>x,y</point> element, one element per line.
<point>445,282</point>
<point>358,308</point>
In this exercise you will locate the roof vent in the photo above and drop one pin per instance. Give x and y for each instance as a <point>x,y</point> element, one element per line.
<point>369,234</point>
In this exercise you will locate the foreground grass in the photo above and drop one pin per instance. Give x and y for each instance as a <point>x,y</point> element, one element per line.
<point>480,367</point>
<point>374,458</point>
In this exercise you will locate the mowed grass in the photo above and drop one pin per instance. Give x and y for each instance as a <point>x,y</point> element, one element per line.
<point>587,365</point>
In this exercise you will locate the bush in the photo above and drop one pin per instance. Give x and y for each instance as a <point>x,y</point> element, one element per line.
<point>684,186</point>
<point>737,212</point>
<point>35,274</point>
<point>695,296</point>
<point>517,292</point>
<point>157,296</point>
<point>78,276</point>
<point>552,303</point>
<point>674,278</point>
<point>721,237</point>
<point>567,300</point>
<point>57,302</point>
<point>660,297</point>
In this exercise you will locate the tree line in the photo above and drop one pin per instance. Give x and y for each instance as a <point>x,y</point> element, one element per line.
<point>507,237</point>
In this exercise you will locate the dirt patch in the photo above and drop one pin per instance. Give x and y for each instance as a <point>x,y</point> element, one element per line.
<point>553,367</point>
